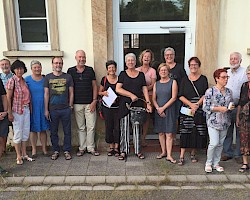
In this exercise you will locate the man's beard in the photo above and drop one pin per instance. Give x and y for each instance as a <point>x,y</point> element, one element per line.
<point>235,66</point>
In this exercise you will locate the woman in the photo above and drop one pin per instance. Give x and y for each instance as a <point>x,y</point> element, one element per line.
<point>131,86</point>
<point>38,122</point>
<point>164,95</point>
<point>146,57</point>
<point>110,114</point>
<point>215,104</point>
<point>18,97</point>
<point>193,130</point>
<point>177,72</point>
<point>243,121</point>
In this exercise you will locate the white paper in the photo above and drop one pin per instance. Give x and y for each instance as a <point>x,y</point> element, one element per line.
<point>109,100</point>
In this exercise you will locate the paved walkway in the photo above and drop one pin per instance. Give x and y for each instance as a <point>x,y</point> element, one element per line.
<point>108,173</point>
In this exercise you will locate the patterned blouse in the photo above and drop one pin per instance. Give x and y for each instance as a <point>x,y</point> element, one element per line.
<point>214,98</point>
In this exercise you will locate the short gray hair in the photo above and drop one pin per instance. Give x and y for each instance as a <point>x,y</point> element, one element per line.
<point>238,54</point>
<point>248,68</point>
<point>169,49</point>
<point>35,62</point>
<point>130,55</point>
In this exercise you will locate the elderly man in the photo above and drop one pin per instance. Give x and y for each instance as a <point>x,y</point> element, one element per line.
<point>237,76</point>
<point>85,98</point>
<point>4,127</point>
<point>5,76</point>
<point>58,102</point>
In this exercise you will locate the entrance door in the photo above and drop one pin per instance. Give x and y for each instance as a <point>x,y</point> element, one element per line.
<point>155,25</point>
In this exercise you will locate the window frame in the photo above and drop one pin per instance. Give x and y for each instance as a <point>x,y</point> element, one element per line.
<point>12,35</point>
<point>31,45</point>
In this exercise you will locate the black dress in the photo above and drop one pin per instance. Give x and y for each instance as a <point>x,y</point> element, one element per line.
<point>193,130</point>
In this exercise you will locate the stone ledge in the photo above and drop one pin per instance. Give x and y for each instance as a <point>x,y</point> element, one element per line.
<point>33,53</point>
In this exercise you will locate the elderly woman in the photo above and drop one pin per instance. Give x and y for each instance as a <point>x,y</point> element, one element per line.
<point>18,97</point>
<point>38,122</point>
<point>193,128</point>
<point>131,86</point>
<point>146,57</point>
<point>216,105</point>
<point>111,114</point>
<point>164,95</point>
<point>243,121</point>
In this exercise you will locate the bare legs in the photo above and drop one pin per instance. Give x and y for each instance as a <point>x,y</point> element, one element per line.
<point>166,142</point>
<point>145,130</point>
<point>43,139</point>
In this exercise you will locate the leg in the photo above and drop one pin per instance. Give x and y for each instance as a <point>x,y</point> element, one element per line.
<point>26,130</point>
<point>4,131</point>
<point>145,130</point>
<point>125,132</point>
<point>212,147</point>
<point>54,129</point>
<point>162,139</point>
<point>169,144</point>
<point>90,124</point>
<point>1,146</point>
<point>33,141</point>
<point>109,125</point>
<point>181,160</point>
<point>80,121</point>
<point>66,123</point>
<point>43,139</point>
<point>218,150</point>
<point>17,137</point>
<point>136,138</point>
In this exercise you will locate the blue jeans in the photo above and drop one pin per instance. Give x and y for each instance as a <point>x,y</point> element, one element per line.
<point>63,115</point>
<point>216,139</point>
<point>227,146</point>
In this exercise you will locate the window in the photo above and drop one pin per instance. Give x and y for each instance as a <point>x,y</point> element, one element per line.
<point>32,24</point>
<point>32,28</point>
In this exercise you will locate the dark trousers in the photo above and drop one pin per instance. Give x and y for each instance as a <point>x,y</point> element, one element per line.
<point>63,115</point>
<point>112,123</point>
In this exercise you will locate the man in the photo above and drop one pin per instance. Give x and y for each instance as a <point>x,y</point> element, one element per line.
<point>58,102</point>
<point>4,123</point>
<point>5,76</point>
<point>85,98</point>
<point>237,76</point>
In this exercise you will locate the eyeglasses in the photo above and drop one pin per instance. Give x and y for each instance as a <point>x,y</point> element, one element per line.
<point>224,77</point>
<point>58,63</point>
<point>168,55</point>
<point>193,65</point>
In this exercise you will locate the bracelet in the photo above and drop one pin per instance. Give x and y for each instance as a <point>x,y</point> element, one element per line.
<point>148,102</point>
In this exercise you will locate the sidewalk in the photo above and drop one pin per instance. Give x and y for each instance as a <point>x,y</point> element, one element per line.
<point>91,171</point>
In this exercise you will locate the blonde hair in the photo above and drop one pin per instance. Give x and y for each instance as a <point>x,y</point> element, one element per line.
<point>142,54</point>
<point>163,65</point>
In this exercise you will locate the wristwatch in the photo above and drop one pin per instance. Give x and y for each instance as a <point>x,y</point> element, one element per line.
<point>148,102</point>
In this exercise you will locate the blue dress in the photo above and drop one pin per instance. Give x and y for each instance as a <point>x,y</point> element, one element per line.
<point>38,122</point>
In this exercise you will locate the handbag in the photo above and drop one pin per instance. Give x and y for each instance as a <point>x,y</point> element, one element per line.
<point>99,102</point>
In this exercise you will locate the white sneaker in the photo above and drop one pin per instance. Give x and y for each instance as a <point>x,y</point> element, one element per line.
<point>218,168</point>
<point>208,168</point>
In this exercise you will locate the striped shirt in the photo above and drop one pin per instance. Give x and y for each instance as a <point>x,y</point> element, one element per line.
<point>21,95</point>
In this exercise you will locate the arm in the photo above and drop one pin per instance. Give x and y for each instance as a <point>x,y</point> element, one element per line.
<point>150,87</point>
<point>5,107</point>
<point>71,96</point>
<point>193,106</point>
<point>125,93</point>
<point>46,103</point>
<point>238,115</point>
<point>93,103</point>
<point>145,93</point>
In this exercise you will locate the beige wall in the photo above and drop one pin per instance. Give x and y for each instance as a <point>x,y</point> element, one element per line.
<point>234,32</point>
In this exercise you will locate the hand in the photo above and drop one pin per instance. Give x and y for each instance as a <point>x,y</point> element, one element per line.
<point>47,115</point>
<point>105,93</point>
<point>92,106</point>
<point>223,109</point>
<point>149,108</point>
<point>2,115</point>
<point>160,110</point>
<point>133,98</point>
<point>194,107</point>
<point>162,115</point>
<point>11,117</point>
<point>237,121</point>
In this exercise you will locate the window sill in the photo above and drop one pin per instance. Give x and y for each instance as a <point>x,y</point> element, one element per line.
<point>33,53</point>
<point>248,51</point>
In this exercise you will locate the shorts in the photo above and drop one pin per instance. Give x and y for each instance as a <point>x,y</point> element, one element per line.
<point>4,127</point>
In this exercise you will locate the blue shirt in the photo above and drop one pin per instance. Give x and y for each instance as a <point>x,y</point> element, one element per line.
<point>5,78</point>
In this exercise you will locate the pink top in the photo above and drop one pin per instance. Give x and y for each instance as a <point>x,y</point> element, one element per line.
<point>21,94</point>
<point>149,75</point>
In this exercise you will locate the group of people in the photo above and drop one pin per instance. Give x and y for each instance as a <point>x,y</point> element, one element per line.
<point>180,103</point>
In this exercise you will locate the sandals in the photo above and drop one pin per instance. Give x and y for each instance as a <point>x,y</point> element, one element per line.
<point>161,156</point>
<point>111,152</point>
<point>244,168</point>
<point>80,153</point>
<point>173,161</point>
<point>28,158</point>
<point>116,152</point>
<point>140,156</point>
<point>67,155</point>
<point>218,168</point>
<point>123,156</point>
<point>193,159</point>
<point>19,161</point>
<point>181,161</point>
<point>208,168</point>
<point>55,155</point>
<point>94,153</point>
